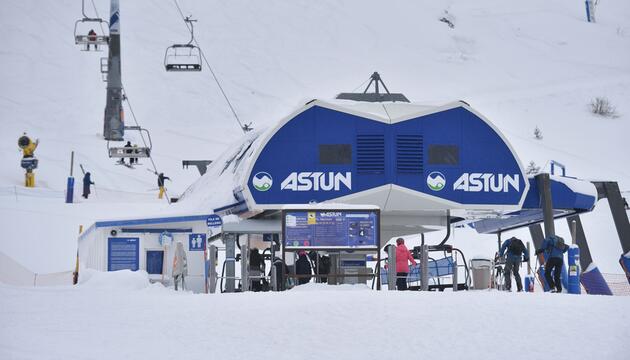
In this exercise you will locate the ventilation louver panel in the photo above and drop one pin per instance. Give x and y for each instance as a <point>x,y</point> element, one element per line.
<point>409,154</point>
<point>370,154</point>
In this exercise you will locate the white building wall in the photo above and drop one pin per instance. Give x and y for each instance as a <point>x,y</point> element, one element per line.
<point>93,251</point>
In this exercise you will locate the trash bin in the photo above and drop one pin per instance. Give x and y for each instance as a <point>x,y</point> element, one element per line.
<point>481,269</point>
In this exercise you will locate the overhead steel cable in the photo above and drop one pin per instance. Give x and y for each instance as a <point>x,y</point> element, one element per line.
<point>135,120</point>
<point>98,16</point>
<point>245,127</point>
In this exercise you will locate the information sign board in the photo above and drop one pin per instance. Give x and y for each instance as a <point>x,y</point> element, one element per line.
<point>123,253</point>
<point>330,229</point>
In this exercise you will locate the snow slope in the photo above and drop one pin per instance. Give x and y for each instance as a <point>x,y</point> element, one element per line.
<point>525,64</point>
<point>119,315</point>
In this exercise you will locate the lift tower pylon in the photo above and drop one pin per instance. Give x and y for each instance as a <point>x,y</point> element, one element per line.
<point>114,127</point>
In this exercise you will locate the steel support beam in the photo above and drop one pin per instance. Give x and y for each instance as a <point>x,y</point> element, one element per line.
<point>544,188</point>
<point>580,239</point>
<point>537,235</point>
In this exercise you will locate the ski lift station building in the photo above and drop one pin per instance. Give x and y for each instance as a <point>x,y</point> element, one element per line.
<point>424,167</point>
<point>146,244</point>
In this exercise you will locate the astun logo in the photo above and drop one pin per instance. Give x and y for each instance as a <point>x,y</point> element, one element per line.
<point>436,181</point>
<point>316,181</point>
<point>487,182</point>
<point>262,181</point>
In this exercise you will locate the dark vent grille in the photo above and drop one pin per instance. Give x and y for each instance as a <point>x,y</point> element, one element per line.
<point>409,154</point>
<point>370,154</point>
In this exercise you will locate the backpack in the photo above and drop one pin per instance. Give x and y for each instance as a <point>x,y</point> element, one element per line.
<point>558,243</point>
<point>516,246</point>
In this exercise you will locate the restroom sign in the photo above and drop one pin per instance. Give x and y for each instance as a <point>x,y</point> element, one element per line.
<point>196,242</point>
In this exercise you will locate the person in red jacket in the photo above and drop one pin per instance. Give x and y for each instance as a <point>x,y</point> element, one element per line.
<point>403,255</point>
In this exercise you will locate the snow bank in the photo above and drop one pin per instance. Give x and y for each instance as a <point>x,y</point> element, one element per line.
<point>118,280</point>
<point>313,287</point>
<point>13,273</point>
<point>128,324</point>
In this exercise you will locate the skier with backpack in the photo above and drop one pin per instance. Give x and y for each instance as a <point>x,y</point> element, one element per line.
<point>554,247</point>
<point>515,249</point>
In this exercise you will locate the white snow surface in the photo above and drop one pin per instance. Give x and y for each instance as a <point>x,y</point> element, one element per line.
<point>523,65</point>
<point>119,315</point>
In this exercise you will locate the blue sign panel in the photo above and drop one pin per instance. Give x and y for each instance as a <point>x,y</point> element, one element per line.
<point>331,229</point>
<point>323,154</point>
<point>123,253</point>
<point>196,242</point>
<point>214,221</point>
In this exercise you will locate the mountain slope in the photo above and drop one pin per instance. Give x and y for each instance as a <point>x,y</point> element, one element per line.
<point>528,64</point>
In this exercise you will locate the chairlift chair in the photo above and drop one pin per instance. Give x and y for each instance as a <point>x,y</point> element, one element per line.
<point>183,57</point>
<point>85,39</point>
<point>122,152</point>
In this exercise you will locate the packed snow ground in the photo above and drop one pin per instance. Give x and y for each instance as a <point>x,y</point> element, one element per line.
<point>523,65</point>
<point>120,316</point>
<point>526,64</point>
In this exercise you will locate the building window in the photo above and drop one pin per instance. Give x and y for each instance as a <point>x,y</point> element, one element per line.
<point>335,154</point>
<point>443,155</point>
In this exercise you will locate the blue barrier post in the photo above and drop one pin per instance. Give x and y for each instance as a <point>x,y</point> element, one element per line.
<point>594,282</point>
<point>529,283</point>
<point>70,186</point>
<point>70,190</point>
<point>625,264</point>
<point>574,270</point>
<point>564,277</point>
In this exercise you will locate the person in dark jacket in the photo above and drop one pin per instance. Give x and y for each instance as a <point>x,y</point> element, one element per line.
<point>554,247</point>
<point>303,267</point>
<point>256,269</point>
<point>282,272</point>
<point>320,264</point>
<point>87,181</point>
<point>160,183</point>
<point>128,152</point>
<point>92,39</point>
<point>515,249</point>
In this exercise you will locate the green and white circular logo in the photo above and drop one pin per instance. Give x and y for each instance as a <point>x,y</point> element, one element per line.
<point>436,181</point>
<point>262,181</point>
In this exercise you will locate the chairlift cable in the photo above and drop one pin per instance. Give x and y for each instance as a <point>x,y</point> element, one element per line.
<point>135,120</point>
<point>245,128</point>
<point>97,15</point>
<point>360,86</point>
